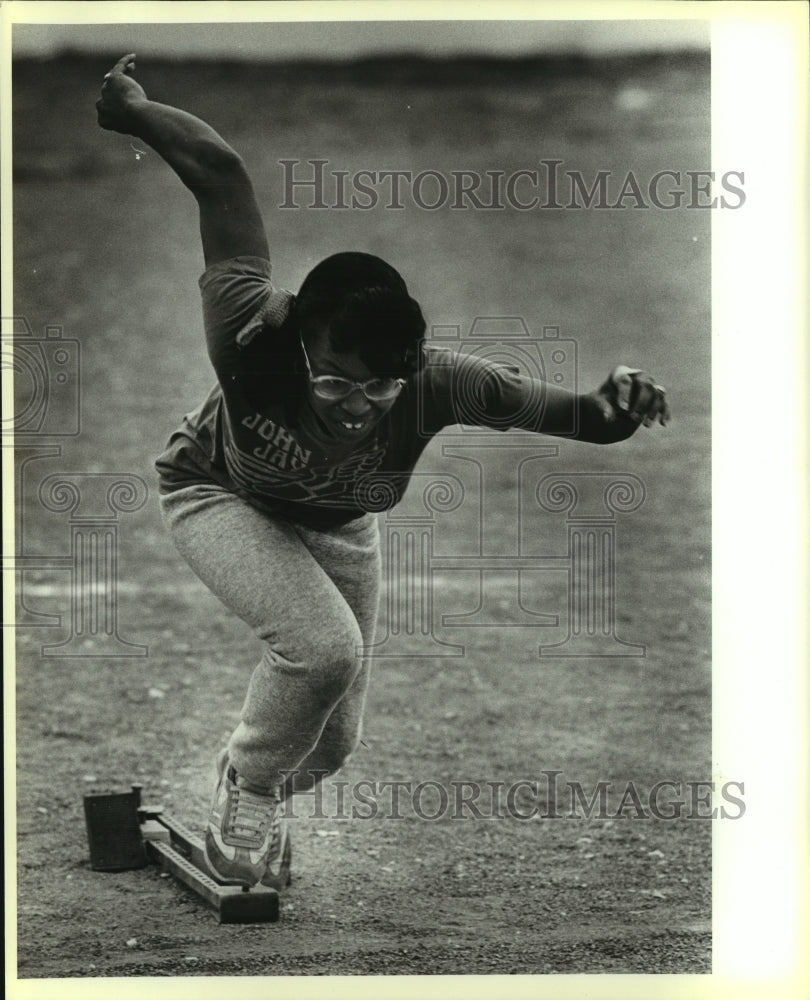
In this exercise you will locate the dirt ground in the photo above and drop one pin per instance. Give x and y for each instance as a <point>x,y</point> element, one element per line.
<point>106,247</point>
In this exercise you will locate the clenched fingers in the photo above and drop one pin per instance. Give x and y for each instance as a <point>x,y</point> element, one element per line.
<point>622,379</point>
<point>640,396</point>
<point>649,401</point>
<point>126,64</point>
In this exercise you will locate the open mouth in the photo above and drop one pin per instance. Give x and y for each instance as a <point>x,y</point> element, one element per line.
<point>353,425</point>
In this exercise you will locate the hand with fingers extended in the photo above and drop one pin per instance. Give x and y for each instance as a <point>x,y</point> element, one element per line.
<point>633,394</point>
<point>120,93</point>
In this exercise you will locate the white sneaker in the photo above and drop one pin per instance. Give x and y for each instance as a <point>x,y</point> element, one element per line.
<point>244,834</point>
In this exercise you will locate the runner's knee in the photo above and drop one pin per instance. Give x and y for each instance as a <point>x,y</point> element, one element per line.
<point>328,658</point>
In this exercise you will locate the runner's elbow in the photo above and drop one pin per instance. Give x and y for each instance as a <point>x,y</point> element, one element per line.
<point>215,163</point>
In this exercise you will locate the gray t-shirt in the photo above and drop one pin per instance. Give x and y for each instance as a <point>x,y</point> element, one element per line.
<point>251,434</point>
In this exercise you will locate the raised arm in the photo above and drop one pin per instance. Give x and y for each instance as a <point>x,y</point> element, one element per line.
<point>230,221</point>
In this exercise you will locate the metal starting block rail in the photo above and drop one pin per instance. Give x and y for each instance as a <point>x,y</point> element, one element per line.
<point>124,834</point>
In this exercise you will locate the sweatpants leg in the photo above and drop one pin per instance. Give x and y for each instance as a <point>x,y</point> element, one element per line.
<point>311,598</point>
<point>339,553</point>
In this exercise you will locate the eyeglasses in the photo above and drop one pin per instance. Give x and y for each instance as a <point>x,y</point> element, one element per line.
<point>334,387</point>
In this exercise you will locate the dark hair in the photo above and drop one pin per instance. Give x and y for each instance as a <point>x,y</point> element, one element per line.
<point>365,305</point>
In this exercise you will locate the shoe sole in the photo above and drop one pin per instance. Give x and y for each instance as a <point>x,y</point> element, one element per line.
<point>224,879</point>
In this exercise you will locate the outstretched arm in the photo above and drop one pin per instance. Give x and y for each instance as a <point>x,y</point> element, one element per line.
<point>460,388</point>
<point>627,399</point>
<point>230,221</point>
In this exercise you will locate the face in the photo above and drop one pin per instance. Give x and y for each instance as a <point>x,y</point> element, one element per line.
<point>352,418</point>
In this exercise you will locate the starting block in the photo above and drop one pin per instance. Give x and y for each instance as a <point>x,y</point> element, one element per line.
<point>124,834</point>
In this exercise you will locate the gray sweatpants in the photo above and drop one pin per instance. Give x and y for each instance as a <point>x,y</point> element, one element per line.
<point>311,597</point>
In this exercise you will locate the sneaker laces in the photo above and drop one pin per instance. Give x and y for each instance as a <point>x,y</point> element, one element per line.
<point>252,813</point>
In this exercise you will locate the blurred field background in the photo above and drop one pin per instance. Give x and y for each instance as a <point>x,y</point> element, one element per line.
<point>106,246</point>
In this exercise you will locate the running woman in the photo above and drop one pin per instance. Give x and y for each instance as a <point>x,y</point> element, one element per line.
<point>324,402</point>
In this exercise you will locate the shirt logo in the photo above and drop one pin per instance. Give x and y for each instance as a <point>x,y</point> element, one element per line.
<point>280,448</point>
<point>279,466</point>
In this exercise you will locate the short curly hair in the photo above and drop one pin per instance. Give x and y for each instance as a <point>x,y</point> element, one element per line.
<point>365,305</point>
